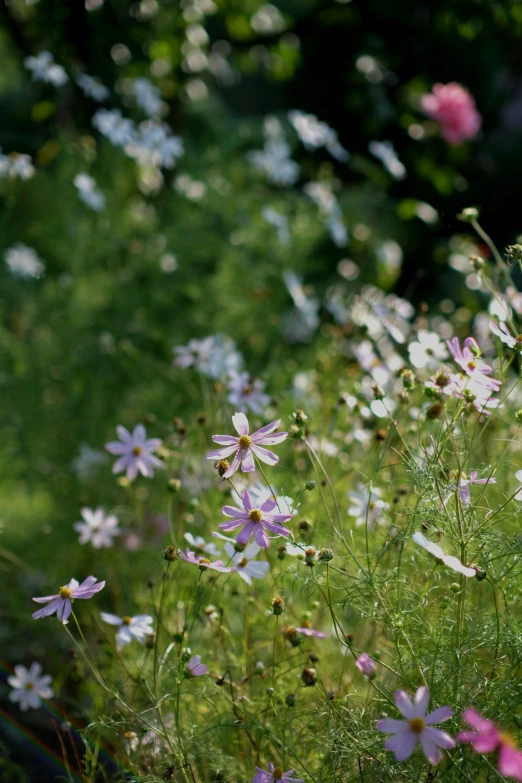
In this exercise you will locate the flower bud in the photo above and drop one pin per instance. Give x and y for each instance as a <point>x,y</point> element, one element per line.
<point>270,692</point>
<point>278,605</point>
<point>477,263</point>
<point>291,700</point>
<point>469,214</point>
<point>294,431</point>
<point>179,425</point>
<point>222,466</point>
<point>310,485</point>
<point>366,665</point>
<point>325,555</point>
<point>310,555</point>
<point>300,417</point>
<point>292,635</point>
<point>480,573</point>
<point>309,676</point>
<point>514,252</point>
<point>378,392</point>
<point>174,485</point>
<point>407,378</point>
<point>170,553</point>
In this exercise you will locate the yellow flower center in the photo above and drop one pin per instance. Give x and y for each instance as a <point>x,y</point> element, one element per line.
<point>29,686</point>
<point>127,620</point>
<point>505,739</point>
<point>277,774</point>
<point>203,562</point>
<point>472,365</point>
<point>65,592</point>
<point>243,563</point>
<point>306,624</point>
<point>136,451</point>
<point>245,441</point>
<point>255,515</point>
<point>417,725</point>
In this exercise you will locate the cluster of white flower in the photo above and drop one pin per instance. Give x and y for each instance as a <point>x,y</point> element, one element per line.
<point>150,143</point>
<point>321,194</point>
<point>44,69</point>
<point>16,166</point>
<point>300,323</point>
<point>88,192</point>
<point>23,261</point>
<point>385,152</point>
<point>148,97</point>
<point>274,159</point>
<point>315,134</point>
<point>92,87</point>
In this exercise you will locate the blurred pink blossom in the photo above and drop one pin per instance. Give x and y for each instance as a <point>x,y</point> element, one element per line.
<point>452,106</point>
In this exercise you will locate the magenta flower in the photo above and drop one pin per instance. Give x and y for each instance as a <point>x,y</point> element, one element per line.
<point>485,738</point>
<point>452,106</point>
<point>135,452</point>
<point>195,668</point>
<point>61,602</point>
<point>275,775</point>
<point>417,727</point>
<point>366,665</point>
<point>246,446</point>
<point>468,359</point>
<point>203,562</point>
<point>255,521</point>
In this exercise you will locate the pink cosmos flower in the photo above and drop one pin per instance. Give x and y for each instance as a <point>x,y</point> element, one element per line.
<point>203,562</point>
<point>468,359</point>
<point>246,446</point>
<point>275,775</point>
<point>195,668</point>
<point>306,631</point>
<point>417,727</point>
<point>366,665</point>
<point>452,106</point>
<point>61,602</point>
<point>505,335</point>
<point>255,521</point>
<point>464,484</point>
<point>135,452</point>
<point>485,738</point>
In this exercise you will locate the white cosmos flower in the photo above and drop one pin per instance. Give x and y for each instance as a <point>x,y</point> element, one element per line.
<point>367,506</point>
<point>198,543</point>
<point>437,552</point>
<point>23,261</point>
<point>244,562</point>
<point>129,628</point>
<point>97,528</point>
<point>428,351</point>
<point>29,687</point>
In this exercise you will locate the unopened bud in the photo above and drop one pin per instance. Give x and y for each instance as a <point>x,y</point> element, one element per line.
<point>480,573</point>
<point>294,431</point>
<point>174,485</point>
<point>469,214</point>
<point>291,700</point>
<point>300,417</point>
<point>514,252</point>
<point>170,553</point>
<point>310,485</point>
<point>477,263</point>
<point>222,466</point>
<point>325,555</point>
<point>407,378</point>
<point>278,605</point>
<point>309,676</point>
<point>378,392</point>
<point>310,555</point>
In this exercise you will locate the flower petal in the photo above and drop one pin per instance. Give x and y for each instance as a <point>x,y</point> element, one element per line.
<point>438,716</point>
<point>404,705</point>
<point>421,701</point>
<point>240,422</point>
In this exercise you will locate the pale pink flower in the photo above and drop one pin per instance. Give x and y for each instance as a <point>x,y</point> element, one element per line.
<point>465,482</point>
<point>135,452</point>
<point>203,562</point>
<point>195,668</point>
<point>453,107</point>
<point>366,665</point>
<point>61,601</point>
<point>485,738</point>
<point>306,631</point>
<point>418,727</point>
<point>438,553</point>
<point>468,358</point>
<point>246,446</point>
<point>275,775</point>
<point>255,521</point>
<point>505,335</point>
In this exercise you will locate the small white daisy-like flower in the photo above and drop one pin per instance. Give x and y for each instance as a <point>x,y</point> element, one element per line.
<point>247,393</point>
<point>135,452</point>
<point>199,544</point>
<point>449,560</point>
<point>92,87</point>
<point>97,528</point>
<point>367,507</point>
<point>29,686</point>
<point>23,261</point>
<point>129,628</point>
<point>427,351</point>
<point>244,562</point>
<point>89,192</point>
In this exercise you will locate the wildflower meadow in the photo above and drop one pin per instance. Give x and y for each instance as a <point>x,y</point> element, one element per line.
<point>261,318</point>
